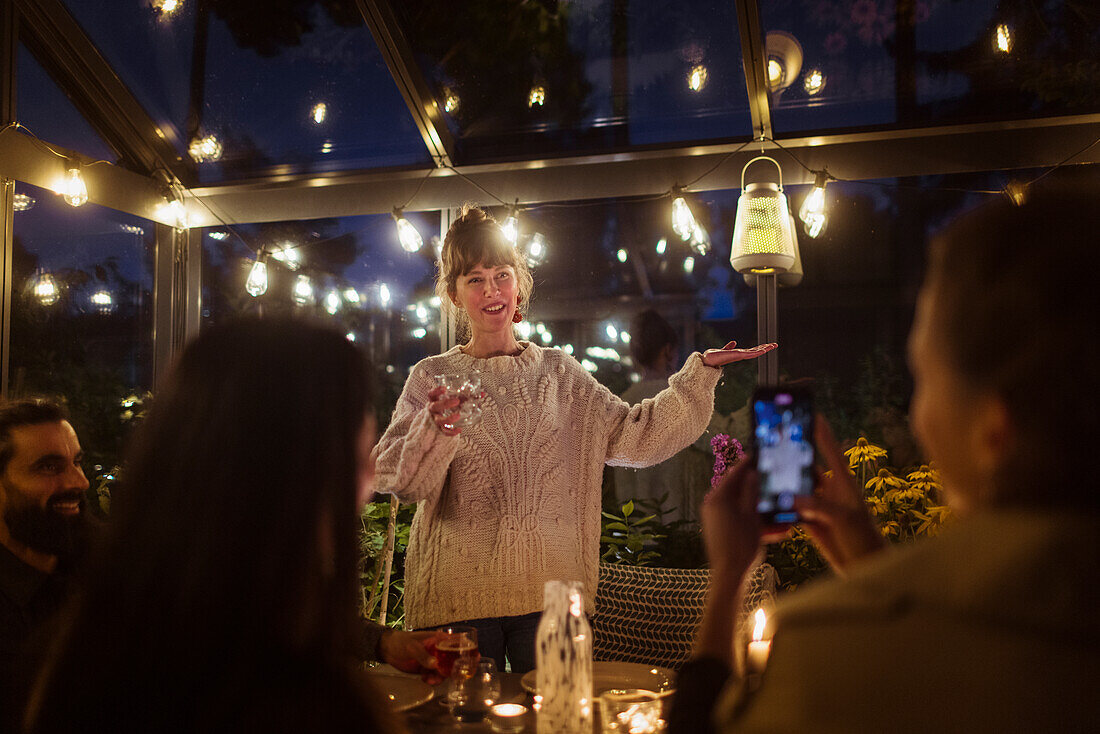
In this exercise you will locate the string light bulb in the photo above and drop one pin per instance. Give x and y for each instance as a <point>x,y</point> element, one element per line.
<point>813,82</point>
<point>535,250</point>
<point>683,221</point>
<point>697,78</point>
<point>303,290</point>
<point>537,96</point>
<point>621,255</point>
<point>173,212</point>
<point>256,284</point>
<point>511,227</point>
<point>318,113</point>
<point>662,245</point>
<point>812,213</point>
<point>1002,39</point>
<point>206,148</point>
<point>44,288</point>
<point>289,255</point>
<point>332,302</point>
<point>450,101</point>
<point>384,294</point>
<point>410,239</point>
<point>103,301</point>
<point>689,265</point>
<point>73,189</point>
<point>700,240</point>
<point>22,202</point>
<point>351,295</point>
<point>166,7</point>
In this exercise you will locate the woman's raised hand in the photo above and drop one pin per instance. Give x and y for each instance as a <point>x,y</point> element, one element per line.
<point>728,354</point>
<point>837,518</point>
<point>444,411</point>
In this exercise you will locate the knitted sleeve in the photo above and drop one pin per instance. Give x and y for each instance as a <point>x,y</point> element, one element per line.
<point>657,428</point>
<point>413,455</point>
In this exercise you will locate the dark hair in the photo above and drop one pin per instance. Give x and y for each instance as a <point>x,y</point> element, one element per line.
<point>650,333</point>
<point>241,477</point>
<point>1014,305</point>
<point>25,412</point>
<point>475,239</point>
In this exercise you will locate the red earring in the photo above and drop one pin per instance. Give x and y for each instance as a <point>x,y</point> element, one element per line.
<point>517,317</point>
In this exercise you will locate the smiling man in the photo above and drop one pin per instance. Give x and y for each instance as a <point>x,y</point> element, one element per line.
<point>43,532</point>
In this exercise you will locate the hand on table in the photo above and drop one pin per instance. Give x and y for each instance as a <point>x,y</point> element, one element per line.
<point>837,518</point>
<point>409,652</point>
<point>728,354</point>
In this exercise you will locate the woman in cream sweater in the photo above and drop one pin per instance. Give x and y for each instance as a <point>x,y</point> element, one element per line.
<point>514,501</point>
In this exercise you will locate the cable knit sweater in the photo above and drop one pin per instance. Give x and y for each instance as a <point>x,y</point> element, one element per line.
<point>515,501</point>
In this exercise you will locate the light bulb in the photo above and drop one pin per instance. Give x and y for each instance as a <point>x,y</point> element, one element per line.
<point>537,96</point>
<point>303,290</point>
<point>621,255</point>
<point>683,221</point>
<point>812,213</point>
<point>450,101</point>
<point>697,78</point>
<point>350,336</point>
<point>624,337</point>
<point>589,365</point>
<point>22,202</point>
<point>351,295</point>
<point>174,212</point>
<point>662,245</point>
<point>103,301</point>
<point>546,337</point>
<point>568,348</point>
<point>814,81</point>
<point>73,190</point>
<point>318,113</point>
<point>206,148</point>
<point>256,285</point>
<point>384,294</point>
<point>536,250</point>
<point>435,301</point>
<point>524,329</point>
<point>1002,39</point>
<point>410,239</point>
<point>289,255</point>
<point>217,235</point>
<point>700,240</point>
<point>45,289</point>
<point>167,7</point>
<point>775,73</point>
<point>420,332</point>
<point>511,229</point>
<point>332,302</point>
<point>689,265</point>
<point>421,312</point>
<point>612,332</point>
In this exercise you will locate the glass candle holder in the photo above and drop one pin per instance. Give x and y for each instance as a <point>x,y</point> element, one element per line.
<point>631,711</point>
<point>507,718</point>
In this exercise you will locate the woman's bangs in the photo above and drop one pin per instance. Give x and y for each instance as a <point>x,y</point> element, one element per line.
<point>491,251</point>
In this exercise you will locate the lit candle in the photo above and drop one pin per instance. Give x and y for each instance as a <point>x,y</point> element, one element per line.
<point>759,647</point>
<point>507,718</point>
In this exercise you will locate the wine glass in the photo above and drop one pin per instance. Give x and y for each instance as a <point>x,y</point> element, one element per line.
<point>467,389</point>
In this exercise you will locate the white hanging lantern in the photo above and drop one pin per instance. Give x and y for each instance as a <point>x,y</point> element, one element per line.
<point>789,278</point>
<point>763,235</point>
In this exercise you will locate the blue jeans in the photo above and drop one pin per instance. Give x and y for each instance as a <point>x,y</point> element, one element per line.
<point>511,637</point>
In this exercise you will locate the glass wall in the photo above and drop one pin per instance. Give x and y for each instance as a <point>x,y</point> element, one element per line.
<point>82,314</point>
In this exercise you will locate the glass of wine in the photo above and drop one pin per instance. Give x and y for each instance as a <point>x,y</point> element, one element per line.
<point>453,643</point>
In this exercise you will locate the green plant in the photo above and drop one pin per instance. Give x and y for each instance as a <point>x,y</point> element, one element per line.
<point>629,538</point>
<point>373,539</point>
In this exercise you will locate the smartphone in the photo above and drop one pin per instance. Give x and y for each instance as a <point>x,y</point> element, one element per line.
<point>783,422</point>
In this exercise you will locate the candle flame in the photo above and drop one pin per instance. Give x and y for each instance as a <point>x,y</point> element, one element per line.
<point>758,627</point>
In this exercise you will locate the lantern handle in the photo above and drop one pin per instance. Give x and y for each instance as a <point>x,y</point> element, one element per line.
<point>762,158</point>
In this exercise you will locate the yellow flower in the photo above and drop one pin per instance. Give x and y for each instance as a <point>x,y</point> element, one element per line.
<point>904,494</point>
<point>878,505</point>
<point>891,529</point>
<point>926,479</point>
<point>932,519</point>
<point>864,451</point>
<point>883,481</point>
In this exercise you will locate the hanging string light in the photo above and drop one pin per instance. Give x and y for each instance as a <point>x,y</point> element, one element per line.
<point>103,301</point>
<point>384,294</point>
<point>205,148</point>
<point>813,82</point>
<point>318,113</point>
<point>535,250</point>
<point>22,202</point>
<point>683,221</point>
<point>621,255</point>
<point>537,96</point>
<point>332,302</point>
<point>166,7</point>
<point>689,265</point>
<point>511,226</point>
<point>812,213</point>
<point>450,101</point>
<point>72,188</point>
<point>44,288</point>
<point>662,245</point>
<point>410,239</point>
<point>700,240</point>
<point>256,285</point>
<point>289,255</point>
<point>303,290</point>
<point>1002,39</point>
<point>351,295</point>
<point>697,78</point>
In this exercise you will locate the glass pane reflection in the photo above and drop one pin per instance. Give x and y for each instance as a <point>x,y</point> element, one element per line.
<point>82,314</point>
<point>882,62</point>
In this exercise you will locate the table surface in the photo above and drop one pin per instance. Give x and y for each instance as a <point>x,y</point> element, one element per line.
<point>433,716</point>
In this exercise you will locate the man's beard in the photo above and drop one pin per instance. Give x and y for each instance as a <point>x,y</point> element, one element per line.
<point>64,536</point>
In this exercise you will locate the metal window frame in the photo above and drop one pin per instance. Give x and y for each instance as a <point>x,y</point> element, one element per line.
<point>9,20</point>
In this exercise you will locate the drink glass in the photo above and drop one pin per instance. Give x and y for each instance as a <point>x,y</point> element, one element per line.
<point>467,389</point>
<point>631,711</point>
<point>453,643</point>
<point>475,687</point>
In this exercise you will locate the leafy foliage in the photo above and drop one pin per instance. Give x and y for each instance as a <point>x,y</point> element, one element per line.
<point>628,537</point>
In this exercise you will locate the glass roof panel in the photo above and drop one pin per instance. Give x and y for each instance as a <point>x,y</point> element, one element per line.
<point>292,88</point>
<point>49,114</point>
<point>550,77</point>
<point>929,62</point>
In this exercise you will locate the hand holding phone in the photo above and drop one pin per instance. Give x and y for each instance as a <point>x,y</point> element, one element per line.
<point>783,421</point>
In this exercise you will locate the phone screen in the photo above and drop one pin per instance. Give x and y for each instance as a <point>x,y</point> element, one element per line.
<point>783,432</point>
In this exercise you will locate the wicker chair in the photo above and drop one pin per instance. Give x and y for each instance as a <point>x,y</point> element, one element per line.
<point>650,615</point>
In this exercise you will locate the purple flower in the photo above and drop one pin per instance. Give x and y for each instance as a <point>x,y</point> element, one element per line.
<point>727,453</point>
